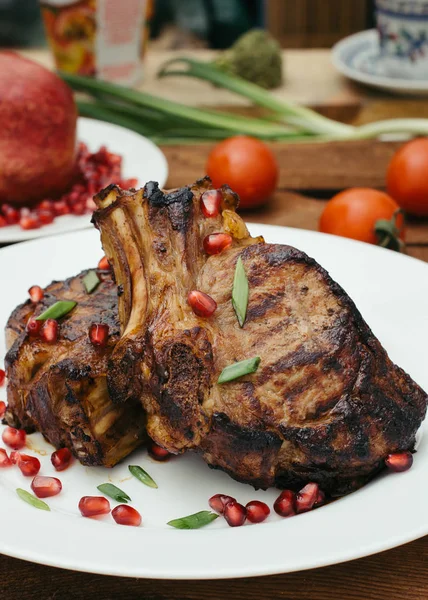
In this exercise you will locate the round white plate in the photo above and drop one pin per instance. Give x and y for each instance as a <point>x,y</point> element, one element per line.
<point>357,56</point>
<point>391,292</point>
<point>141,159</point>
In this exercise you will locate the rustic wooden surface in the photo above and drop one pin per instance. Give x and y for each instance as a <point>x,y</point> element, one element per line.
<point>320,170</point>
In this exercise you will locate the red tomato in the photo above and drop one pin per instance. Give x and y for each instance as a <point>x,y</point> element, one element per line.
<point>353,213</point>
<point>247,165</point>
<point>407,177</point>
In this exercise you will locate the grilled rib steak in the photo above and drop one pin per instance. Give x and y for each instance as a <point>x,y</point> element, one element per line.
<point>326,404</point>
<point>60,389</point>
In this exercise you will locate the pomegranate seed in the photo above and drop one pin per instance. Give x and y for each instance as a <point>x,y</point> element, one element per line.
<point>235,514</point>
<point>29,465</point>
<point>3,221</point>
<point>49,331</point>
<point>104,264</point>
<point>36,293</point>
<point>78,209</point>
<point>33,327</point>
<point>11,214</point>
<point>15,457</point>
<point>29,222</point>
<point>285,504</point>
<point>399,461</point>
<point>126,515</point>
<point>2,377</point>
<point>90,506</point>
<point>61,208</point>
<point>14,438</point>
<point>2,409</point>
<point>217,242</point>
<point>61,459</point>
<point>44,487</point>
<point>306,498</point>
<point>4,459</point>
<point>201,304</point>
<point>157,452</point>
<point>211,202</point>
<point>320,499</point>
<point>98,334</point>
<point>219,502</point>
<point>46,217</point>
<point>257,511</point>
<point>46,205</point>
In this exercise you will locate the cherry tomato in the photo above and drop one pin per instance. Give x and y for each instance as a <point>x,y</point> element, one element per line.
<point>247,165</point>
<point>354,213</point>
<point>407,177</point>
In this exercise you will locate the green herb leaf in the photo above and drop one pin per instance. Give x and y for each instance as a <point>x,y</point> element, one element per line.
<point>57,310</point>
<point>91,281</point>
<point>30,499</point>
<point>141,474</point>
<point>114,492</point>
<point>240,292</point>
<point>199,519</point>
<point>239,369</point>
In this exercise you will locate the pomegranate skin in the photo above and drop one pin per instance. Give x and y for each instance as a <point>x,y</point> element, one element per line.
<point>38,132</point>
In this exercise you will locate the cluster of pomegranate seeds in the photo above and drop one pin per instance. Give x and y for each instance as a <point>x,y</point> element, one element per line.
<point>61,459</point>
<point>93,172</point>
<point>45,487</point>
<point>104,264</point>
<point>28,465</point>
<point>14,438</point>
<point>399,461</point>
<point>4,459</point>
<point>2,377</point>
<point>2,409</point>
<point>126,515</point>
<point>49,331</point>
<point>92,506</point>
<point>158,453</point>
<point>214,243</point>
<point>211,202</point>
<point>98,334</point>
<point>201,304</point>
<point>236,514</point>
<point>36,293</point>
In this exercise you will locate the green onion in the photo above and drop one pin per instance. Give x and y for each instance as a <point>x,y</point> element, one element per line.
<point>30,499</point>
<point>239,369</point>
<point>57,310</point>
<point>114,492</point>
<point>240,292</point>
<point>91,281</point>
<point>195,521</point>
<point>142,476</point>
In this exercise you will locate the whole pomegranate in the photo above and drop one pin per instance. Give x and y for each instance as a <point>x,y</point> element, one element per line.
<point>37,133</point>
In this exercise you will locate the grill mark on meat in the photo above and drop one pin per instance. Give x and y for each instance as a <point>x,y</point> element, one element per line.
<point>261,304</point>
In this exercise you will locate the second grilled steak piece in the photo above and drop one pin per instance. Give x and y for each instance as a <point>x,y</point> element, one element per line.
<point>60,389</point>
<point>326,404</point>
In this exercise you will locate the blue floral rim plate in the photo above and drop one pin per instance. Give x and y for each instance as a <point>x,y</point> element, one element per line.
<point>357,57</point>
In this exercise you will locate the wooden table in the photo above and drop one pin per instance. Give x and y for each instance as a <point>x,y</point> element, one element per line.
<point>317,170</point>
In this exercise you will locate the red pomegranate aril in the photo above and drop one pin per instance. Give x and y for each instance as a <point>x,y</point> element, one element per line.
<point>285,504</point>
<point>14,438</point>
<point>36,293</point>
<point>306,498</point>
<point>201,304</point>
<point>217,242</point>
<point>104,264</point>
<point>4,459</point>
<point>235,514</point>
<point>98,334</point>
<point>399,461</point>
<point>45,487</point>
<point>2,376</point>
<point>2,409</point>
<point>47,205</point>
<point>3,222</point>
<point>11,214</point>
<point>49,331</point>
<point>61,459</point>
<point>15,457</point>
<point>158,453</point>
<point>29,465</point>
<point>29,222</point>
<point>126,515</point>
<point>46,217</point>
<point>257,511</point>
<point>219,502</point>
<point>211,202</point>
<point>61,208</point>
<point>91,506</point>
<point>33,326</point>
<point>320,499</point>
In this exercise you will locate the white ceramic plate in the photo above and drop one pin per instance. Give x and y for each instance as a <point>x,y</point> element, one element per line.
<point>357,55</point>
<point>390,290</point>
<point>140,158</point>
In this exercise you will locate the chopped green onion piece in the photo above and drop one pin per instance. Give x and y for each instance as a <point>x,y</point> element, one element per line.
<point>30,499</point>
<point>199,519</point>
<point>141,474</point>
<point>239,369</point>
<point>57,310</point>
<point>91,281</point>
<point>114,492</point>
<point>240,292</point>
